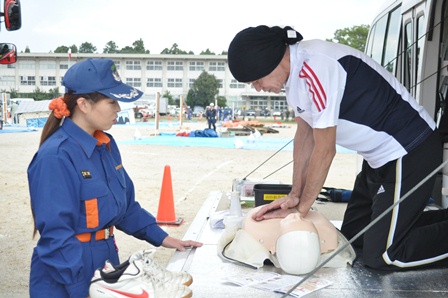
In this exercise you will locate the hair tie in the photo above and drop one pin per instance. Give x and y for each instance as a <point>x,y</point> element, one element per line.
<point>59,107</point>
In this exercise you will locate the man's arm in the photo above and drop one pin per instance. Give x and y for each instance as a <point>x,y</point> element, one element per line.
<point>303,149</point>
<point>316,171</point>
<point>313,153</point>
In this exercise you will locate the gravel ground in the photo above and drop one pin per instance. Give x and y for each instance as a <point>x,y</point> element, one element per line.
<point>195,171</point>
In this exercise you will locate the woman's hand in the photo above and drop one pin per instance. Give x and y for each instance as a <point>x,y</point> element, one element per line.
<point>170,242</point>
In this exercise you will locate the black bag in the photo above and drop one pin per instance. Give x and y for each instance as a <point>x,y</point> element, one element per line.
<point>336,195</point>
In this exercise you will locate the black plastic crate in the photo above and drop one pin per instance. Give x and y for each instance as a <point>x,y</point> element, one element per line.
<point>266,193</point>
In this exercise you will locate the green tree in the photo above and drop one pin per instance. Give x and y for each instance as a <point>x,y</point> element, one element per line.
<point>111,48</point>
<point>53,93</point>
<point>27,50</point>
<point>127,50</point>
<point>13,92</point>
<point>39,94</point>
<point>204,90</point>
<point>222,101</point>
<point>207,52</point>
<point>139,47</point>
<point>355,36</point>
<point>87,47</point>
<point>74,49</point>
<point>171,100</point>
<point>64,49</point>
<point>61,49</point>
<point>174,50</point>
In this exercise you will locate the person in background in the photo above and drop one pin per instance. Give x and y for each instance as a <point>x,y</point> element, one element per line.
<point>189,113</point>
<point>341,96</point>
<point>80,190</point>
<point>226,114</point>
<point>220,113</point>
<point>14,106</point>
<point>211,116</point>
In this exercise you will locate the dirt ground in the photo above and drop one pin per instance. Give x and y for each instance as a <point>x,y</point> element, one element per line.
<point>195,171</point>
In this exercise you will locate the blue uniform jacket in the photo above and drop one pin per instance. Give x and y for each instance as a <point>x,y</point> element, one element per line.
<point>77,186</point>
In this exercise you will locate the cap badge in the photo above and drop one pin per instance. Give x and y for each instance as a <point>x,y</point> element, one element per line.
<point>115,73</point>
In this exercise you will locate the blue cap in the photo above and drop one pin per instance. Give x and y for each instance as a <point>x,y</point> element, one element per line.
<point>98,75</point>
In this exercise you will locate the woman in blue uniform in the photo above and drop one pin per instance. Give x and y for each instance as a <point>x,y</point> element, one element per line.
<point>341,96</point>
<point>80,191</point>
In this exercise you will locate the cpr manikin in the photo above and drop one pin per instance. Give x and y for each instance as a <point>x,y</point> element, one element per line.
<point>293,244</point>
<point>296,242</point>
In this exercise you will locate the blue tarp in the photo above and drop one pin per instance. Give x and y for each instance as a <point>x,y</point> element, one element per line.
<point>36,122</point>
<point>262,143</point>
<point>16,129</point>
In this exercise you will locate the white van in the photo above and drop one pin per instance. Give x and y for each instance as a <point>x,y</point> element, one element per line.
<point>410,39</point>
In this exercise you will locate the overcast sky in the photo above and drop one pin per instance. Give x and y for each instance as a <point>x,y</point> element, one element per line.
<point>194,25</point>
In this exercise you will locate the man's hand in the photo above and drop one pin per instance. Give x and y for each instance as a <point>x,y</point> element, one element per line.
<point>279,208</point>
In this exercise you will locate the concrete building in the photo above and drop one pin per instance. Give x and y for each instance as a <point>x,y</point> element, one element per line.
<point>150,73</point>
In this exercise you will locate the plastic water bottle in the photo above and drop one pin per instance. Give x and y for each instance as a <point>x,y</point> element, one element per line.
<point>235,204</point>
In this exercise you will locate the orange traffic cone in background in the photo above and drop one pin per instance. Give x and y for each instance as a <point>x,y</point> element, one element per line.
<point>166,214</point>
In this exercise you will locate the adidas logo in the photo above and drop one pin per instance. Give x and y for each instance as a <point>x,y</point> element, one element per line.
<point>381,190</point>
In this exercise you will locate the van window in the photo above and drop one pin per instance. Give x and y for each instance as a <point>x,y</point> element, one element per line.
<point>407,78</point>
<point>378,39</point>
<point>421,38</point>
<point>384,39</point>
<point>392,39</point>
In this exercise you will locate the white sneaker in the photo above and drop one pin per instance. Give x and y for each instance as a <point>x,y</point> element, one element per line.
<point>158,271</point>
<point>132,281</point>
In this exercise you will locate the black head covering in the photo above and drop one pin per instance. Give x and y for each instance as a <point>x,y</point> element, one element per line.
<point>256,51</point>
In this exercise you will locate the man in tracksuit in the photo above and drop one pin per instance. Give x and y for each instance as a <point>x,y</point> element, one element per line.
<point>341,96</point>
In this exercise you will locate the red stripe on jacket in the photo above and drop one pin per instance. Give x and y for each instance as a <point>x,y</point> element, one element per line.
<point>315,87</point>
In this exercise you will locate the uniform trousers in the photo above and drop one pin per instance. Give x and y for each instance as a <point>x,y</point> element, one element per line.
<point>407,237</point>
<point>94,253</point>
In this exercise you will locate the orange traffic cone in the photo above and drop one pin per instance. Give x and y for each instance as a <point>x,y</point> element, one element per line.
<point>166,214</point>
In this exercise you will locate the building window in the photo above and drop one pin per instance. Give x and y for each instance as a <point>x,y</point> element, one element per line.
<point>220,83</point>
<point>234,84</point>
<point>216,66</point>
<point>191,83</point>
<point>133,65</point>
<point>174,83</point>
<point>7,81</point>
<point>47,65</point>
<point>175,65</point>
<point>154,82</point>
<point>27,65</point>
<point>27,80</point>
<point>134,82</point>
<point>196,66</point>
<point>154,65</point>
<point>63,65</point>
<point>48,81</point>
<point>258,104</point>
<point>7,66</point>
